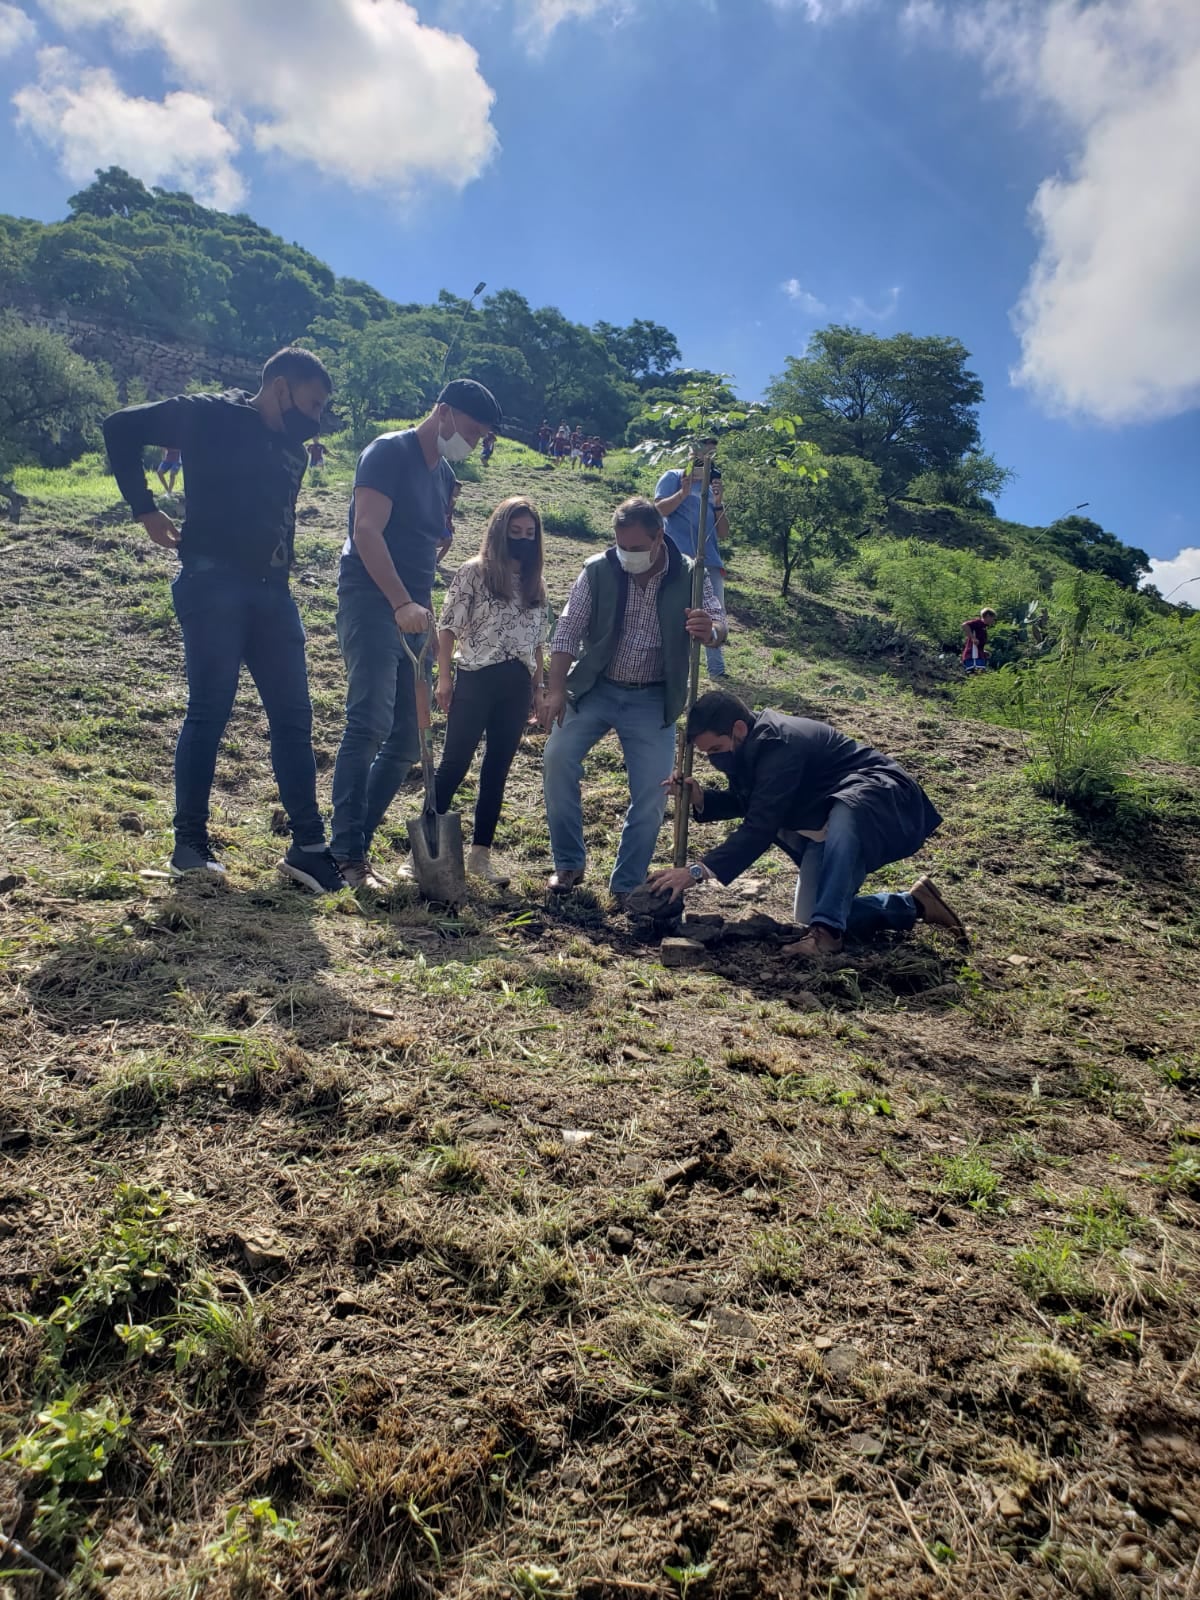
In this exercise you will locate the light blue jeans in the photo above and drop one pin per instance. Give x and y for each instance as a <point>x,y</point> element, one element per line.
<point>831,874</point>
<point>715,659</point>
<point>636,716</point>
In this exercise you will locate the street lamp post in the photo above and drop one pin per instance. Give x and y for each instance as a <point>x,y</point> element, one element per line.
<point>475,293</point>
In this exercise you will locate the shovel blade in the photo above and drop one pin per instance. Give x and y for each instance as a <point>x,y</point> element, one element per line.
<point>437,857</point>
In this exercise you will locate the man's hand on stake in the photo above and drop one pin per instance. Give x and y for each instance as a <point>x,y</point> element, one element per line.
<point>700,625</point>
<point>695,792</point>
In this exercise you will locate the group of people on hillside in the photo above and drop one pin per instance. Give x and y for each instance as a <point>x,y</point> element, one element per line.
<point>566,444</point>
<point>618,662</point>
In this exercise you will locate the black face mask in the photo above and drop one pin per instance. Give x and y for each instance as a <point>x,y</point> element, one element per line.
<point>724,760</point>
<point>297,424</point>
<point>522,550</point>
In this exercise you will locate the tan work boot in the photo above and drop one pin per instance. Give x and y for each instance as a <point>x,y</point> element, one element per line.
<point>479,865</point>
<point>362,875</point>
<point>934,909</point>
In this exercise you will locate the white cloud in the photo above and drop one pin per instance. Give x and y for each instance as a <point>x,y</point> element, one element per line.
<point>360,89</point>
<point>83,114</point>
<point>799,296</point>
<point>1167,576</point>
<point>822,10</point>
<point>17,29</point>
<point>541,17</point>
<point>859,310</point>
<point>1109,320</point>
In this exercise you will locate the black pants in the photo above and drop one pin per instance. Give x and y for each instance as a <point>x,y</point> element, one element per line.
<point>494,701</point>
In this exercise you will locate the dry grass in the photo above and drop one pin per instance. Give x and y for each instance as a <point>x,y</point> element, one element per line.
<point>436,1256</point>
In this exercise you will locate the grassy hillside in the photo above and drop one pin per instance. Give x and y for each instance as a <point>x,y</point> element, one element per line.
<point>355,1249</point>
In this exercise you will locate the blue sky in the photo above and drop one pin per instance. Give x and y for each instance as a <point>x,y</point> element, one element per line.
<point>1018,173</point>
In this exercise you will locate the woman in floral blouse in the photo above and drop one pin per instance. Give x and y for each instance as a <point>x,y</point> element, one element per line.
<point>495,612</point>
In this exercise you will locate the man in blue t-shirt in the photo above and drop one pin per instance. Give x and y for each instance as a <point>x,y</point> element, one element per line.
<point>402,488</point>
<point>677,499</point>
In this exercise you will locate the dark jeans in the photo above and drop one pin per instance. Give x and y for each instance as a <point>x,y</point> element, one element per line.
<point>831,874</point>
<point>227,618</point>
<point>381,740</point>
<point>493,701</point>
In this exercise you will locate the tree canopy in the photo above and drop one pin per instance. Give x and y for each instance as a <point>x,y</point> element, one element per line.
<point>159,262</point>
<point>906,403</point>
<point>51,400</point>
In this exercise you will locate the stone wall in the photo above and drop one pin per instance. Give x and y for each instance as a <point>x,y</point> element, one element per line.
<point>164,368</point>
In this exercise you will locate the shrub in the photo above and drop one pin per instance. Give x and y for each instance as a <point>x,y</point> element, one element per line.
<point>932,589</point>
<point>573,519</point>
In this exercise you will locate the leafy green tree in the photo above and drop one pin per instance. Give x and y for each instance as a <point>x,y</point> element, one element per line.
<point>377,373</point>
<point>114,193</point>
<point>644,351</point>
<point>907,404</point>
<point>803,508</point>
<point>51,400</point>
<point>1087,545</point>
<point>968,484</point>
<point>501,369</point>
<point>689,402</point>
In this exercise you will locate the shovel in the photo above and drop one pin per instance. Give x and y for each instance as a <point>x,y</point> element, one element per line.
<point>435,840</point>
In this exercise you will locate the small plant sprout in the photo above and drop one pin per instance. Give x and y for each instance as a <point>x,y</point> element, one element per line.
<point>685,1577</point>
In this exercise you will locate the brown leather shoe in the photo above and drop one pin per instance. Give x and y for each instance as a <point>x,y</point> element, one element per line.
<point>562,882</point>
<point>817,941</point>
<point>934,909</point>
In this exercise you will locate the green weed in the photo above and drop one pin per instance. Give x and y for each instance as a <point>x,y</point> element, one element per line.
<point>886,1217</point>
<point>70,1443</point>
<point>251,1526</point>
<point>778,1256</point>
<point>1053,1269</point>
<point>969,1179</point>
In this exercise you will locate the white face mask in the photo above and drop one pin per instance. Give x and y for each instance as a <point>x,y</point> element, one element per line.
<point>636,560</point>
<point>455,448</point>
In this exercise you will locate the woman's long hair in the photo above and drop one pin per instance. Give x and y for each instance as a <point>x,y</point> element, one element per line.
<point>497,563</point>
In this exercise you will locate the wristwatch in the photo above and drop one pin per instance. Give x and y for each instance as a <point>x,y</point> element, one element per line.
<point>696,872</point>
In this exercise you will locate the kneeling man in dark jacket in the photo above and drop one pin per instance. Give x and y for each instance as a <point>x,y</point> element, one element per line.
<point>839,809</point>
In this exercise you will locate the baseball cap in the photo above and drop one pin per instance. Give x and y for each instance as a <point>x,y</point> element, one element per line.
<point>465,395</point>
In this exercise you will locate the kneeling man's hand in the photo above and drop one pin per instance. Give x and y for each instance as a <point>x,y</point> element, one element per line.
<point>674,783</point>
<point>674,881</point>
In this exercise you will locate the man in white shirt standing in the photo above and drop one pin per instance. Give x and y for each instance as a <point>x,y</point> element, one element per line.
<point>620,657</point>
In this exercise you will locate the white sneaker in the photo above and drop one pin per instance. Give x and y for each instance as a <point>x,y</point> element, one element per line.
<point>479,865</point>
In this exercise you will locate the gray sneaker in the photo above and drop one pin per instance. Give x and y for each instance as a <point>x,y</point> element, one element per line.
<point>194,855</point>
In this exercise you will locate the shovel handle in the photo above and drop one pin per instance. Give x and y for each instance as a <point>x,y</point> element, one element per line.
<point>424,719</point>
<point>420,682</point>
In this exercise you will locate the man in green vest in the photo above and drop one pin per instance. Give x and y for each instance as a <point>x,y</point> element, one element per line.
<point>619,664</point>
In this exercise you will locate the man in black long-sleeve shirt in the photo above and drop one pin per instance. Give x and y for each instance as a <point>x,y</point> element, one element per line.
<point>243,461</point>
<point>830,803</point>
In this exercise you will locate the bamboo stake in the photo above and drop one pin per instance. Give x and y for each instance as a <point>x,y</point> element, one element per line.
<point>684,753</point>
